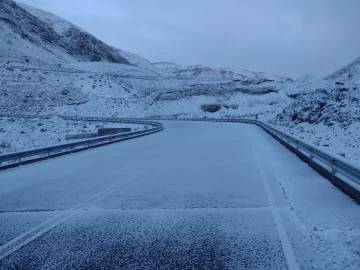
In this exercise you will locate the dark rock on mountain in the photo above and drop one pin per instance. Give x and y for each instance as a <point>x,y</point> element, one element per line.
<point>257,91</point>
<point>294,96</point>
<point>211,108</point>
<point>26,25</point>
<point>87,47</point>
<point>256,81</point>
<point>326,106</point>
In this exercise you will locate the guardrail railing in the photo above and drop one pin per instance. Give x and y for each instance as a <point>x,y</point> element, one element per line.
<point>330,165</point>
<point>338,164</point>
<point>18,158</point>
<point>334,164</point>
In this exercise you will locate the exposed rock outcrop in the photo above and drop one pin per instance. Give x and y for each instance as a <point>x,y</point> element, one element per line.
<point>211,108</point>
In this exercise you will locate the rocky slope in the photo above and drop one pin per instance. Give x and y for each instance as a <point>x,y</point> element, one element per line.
<point>27,36</point>
<point>333,100</point>
<point>327,111</point>
<point>349,74</point>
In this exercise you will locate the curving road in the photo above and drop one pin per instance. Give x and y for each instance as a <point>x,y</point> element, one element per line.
<point>197,195</point>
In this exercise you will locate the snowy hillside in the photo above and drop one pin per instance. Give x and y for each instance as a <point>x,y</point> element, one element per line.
<point>38,133</point>
<point>303,84</point>
<point>138,61</point>
<point>173,69</point>
<point>83,87</point>
<point>58,24</point>
<point>110,68</point>
<point>167,67</point>
<point>348,74</point>
<point>49,66</point>
<point>326,111</point>
<point>33,35</point>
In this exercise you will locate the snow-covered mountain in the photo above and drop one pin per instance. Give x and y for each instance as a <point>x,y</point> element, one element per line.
<point>28,34</point>
<point>90,77</point>
<point>173,69</point>
<point>326,111</point>
<point>348,74</point>
<point>333,100</point>
<point>138,61</point>
<point>50,66</point>
<point>166,65</point>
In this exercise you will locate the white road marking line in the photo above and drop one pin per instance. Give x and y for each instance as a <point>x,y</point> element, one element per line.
<point>15,244</point>
<point>51,223</point>
<point>284,239</point>
<point>33,237</point>
<point>31,231</point>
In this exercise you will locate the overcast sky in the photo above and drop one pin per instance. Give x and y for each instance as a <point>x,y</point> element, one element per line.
<point>288,37</point>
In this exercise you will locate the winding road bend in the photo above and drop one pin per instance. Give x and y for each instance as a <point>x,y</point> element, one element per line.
<point>196,195</point>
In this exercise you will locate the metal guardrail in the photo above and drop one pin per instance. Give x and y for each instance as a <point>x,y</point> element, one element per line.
<point>47,152</point>
<point>337,164</point>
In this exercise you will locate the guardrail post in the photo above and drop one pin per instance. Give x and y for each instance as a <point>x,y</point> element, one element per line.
<point>333,172</point>
<point>311,159</point>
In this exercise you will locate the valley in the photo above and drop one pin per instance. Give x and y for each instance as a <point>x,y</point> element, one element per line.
<point>46,78</point>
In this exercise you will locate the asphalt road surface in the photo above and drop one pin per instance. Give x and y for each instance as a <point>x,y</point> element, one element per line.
<point>195,196</point>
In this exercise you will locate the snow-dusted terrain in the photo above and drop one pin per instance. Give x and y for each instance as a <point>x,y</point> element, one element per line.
<point>196,195</point>
<point>224,196</point>
<point>327,111</point>
<point>49,66</point>
<point>17,134</point>
<point>153,83</point>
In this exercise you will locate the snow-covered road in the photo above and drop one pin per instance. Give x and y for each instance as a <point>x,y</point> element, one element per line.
<point>197,195</point>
